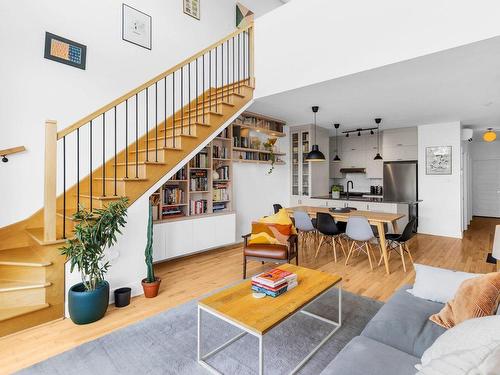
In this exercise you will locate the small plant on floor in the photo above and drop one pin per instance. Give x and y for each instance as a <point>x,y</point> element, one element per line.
<point>151,284</point>
<point>94,232</point>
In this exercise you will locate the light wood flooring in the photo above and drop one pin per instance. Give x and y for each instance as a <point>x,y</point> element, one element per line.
<point>192,277</point>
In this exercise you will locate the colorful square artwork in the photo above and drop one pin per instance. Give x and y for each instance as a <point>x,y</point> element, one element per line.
<point>244,16</point>
<point>65,51</point>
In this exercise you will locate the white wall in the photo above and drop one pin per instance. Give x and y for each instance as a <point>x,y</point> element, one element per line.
<point>255,191</point>
<point>310,41</point>
<point>440,211</point>
<point>35,89</point>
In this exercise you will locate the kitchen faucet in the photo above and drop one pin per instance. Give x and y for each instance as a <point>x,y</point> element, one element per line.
<point>352,186</point>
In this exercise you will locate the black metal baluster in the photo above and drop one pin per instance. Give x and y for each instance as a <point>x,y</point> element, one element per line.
<point>104,154</point>
<point>147,125</point>
<point>239,65</point>
<point>203,80</point>
<point>244,57</point>
<point>233,63</point>
<point>114,175</point>
<point>90,154</point>
<point>126,138</point>
<point>64,187</point>
<point>227,65</point>
<point>222,70</point>
<point>77,169</point>
<point>248,56</point>
<point>137,137</point>
<point>189,97</point>
<point>165,120</point>
<point>210,79</point>
<point>173,108</point>
<point>156,122</point>
<point>216,82</point>
<point>182,100</point>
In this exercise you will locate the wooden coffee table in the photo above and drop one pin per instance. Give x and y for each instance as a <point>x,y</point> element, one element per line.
<point>257,317</point>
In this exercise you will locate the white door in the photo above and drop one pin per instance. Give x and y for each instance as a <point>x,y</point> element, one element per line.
<point>486,188</point>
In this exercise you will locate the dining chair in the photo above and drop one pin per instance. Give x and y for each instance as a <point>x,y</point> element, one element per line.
<point>360,233</point>
<point>329,230</point>
<point>277,207</point>
<point>399,242</point>
<point>304,226</point>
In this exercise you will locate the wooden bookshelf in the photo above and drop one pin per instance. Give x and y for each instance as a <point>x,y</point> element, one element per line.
<point>193,191</point>
<point>254,136</point>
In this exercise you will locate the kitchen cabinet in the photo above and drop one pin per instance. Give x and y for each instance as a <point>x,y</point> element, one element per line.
<point>353,159</point>
<point>400,153</point>
<point>308,178</point>
<point>400,144</point>
<point>374,168</point>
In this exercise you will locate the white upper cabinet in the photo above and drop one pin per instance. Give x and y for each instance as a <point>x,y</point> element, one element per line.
<point>400,144</point>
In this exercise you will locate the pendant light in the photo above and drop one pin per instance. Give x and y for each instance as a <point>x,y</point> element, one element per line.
<point>489,135</point>
<point>315,154</point>
<point>336,159</point>
<point>378,156</point>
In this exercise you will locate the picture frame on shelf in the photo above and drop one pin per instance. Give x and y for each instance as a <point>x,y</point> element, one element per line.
<point>438,160</point>
<point>136,27</point>
<point>192,8</point>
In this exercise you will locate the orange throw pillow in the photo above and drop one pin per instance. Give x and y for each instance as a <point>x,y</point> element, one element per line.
<point>475,298</point>
<point>270,233</point>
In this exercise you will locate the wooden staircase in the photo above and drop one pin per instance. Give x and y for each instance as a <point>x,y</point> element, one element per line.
<point>32,279</point>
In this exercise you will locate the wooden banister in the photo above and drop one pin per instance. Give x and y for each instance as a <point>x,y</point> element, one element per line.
<point>12,150</point>
<point>50,182</point>
<point>159,77</point>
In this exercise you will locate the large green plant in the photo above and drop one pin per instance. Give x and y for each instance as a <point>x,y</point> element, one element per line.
<point>94,232</point>
<point>148,252</point>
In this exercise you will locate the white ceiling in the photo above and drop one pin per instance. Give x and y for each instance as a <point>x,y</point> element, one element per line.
<point>457,84</point>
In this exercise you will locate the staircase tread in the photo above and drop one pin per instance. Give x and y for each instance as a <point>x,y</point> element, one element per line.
<point>13,312</point>
<point>127,179</point>
<point>22,256</point>
<point>100,197</point>
<point>149,162</point>
<point>12,285</point>
<point>37,235</point>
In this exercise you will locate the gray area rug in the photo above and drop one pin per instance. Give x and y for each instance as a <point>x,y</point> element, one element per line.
<point>166,343</point>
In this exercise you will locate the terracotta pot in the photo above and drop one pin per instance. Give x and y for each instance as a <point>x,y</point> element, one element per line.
<point>151,289</point>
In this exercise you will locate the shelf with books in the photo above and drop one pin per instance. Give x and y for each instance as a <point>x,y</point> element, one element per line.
<point>261,124</point>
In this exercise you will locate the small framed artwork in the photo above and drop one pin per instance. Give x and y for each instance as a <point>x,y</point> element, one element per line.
<point>192,8</point>
<point>136,27</point>
<point>438,160</point>
<point>65,51</point>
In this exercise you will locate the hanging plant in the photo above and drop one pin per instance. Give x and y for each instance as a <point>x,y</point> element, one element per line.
<point>269,146</point>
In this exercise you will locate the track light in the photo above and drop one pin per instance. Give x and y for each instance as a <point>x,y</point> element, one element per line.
<point>347,135</point>
<point>359,134</point>
<point>371,132</point>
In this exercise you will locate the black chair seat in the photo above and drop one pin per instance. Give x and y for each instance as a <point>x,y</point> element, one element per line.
<point>393,236</point>
<point>314,222</point>
<point>325,224</point>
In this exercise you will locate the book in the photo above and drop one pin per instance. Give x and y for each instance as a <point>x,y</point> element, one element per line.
<point>275,277</point>
<point>268,292</point>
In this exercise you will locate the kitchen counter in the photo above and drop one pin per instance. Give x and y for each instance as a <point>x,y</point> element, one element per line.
<point>361,198</point>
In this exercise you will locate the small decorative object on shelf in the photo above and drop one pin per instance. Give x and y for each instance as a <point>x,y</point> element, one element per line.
<point>151,284</point>
<point>336,191</point>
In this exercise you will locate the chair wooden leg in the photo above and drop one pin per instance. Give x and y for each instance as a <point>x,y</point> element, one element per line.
<point>244,267</point>
<point>320,242</point>
<point>402,256</point>
<point>369,256</point>
<point>334,249</point>
<point>350,252</point>
<point>409,252</point>
<point>342,246</point>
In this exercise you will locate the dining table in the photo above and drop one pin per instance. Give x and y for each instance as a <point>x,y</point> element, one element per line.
<point>375,218</point>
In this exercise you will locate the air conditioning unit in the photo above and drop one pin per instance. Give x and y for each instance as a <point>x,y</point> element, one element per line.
<point>467,134</point>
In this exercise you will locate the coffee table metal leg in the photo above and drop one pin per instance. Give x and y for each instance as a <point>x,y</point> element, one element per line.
<point>261,355</point>
<point>199,334</point>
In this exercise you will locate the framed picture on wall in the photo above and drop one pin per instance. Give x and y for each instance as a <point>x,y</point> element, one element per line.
<point>136,27</point>
<point>65,51</point>
<point>438,160</point>
<point>192,8</point>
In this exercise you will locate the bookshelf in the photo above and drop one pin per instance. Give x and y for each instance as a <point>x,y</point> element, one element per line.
<point>202,187</point>
<point>255,139</point>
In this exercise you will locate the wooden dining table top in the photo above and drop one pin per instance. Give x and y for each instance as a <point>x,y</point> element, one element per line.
<point>372,216</point>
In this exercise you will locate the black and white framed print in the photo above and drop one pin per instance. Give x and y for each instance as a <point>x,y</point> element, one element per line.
<point>438,160</point>
<point>65,51</point>
<point>136,26</point>
<point>192,8</point>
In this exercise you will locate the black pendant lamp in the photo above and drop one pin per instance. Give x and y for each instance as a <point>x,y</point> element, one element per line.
<point>336,159</point>
<point>315,154</point>
<point>378,156</point>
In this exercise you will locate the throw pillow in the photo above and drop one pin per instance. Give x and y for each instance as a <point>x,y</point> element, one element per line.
<point>270,233</point>
<point>437,284</point>
<point>476,297</point>
<point>471,347</point>
<point>281,217</point>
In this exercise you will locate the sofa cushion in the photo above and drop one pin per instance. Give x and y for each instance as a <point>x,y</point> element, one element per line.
<point>403,323</point>
<point>364,356</point>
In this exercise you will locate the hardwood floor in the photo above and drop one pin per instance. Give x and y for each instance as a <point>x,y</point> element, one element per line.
<point>192,277</point>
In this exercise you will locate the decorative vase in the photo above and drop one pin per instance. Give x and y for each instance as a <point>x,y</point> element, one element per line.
<point>88,306</point>
<point>122,297</point>
<point>335,194</point>
<point>151,289</point>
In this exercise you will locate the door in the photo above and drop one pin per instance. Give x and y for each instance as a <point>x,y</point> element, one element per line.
<point>486,188</point>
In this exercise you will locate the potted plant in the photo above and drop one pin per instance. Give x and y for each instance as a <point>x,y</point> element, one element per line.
<point>269,146</point>
<point>94,232</point>
<point>335,191</point>
<point>151,284</point>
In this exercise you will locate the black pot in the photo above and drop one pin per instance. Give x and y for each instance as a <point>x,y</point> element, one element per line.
<point>122,297</point>
<point>88,306</point>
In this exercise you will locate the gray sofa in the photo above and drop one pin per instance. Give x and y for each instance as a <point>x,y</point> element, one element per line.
<point>393,341</point>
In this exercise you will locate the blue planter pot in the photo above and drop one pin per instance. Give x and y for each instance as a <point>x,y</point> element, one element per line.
<point>88,307</point>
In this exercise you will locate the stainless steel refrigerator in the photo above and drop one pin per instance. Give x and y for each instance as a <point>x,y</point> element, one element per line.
<point>401,184</point>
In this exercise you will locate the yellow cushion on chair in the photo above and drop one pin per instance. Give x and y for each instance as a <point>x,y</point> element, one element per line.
<point>275,229</point>
<point>281,217</point>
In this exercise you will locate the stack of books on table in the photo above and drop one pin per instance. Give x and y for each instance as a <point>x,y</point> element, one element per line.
<point>274,282</point>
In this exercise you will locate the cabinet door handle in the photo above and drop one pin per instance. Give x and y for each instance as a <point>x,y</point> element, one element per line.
<point>368,207</point>
<point>399,144</point>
